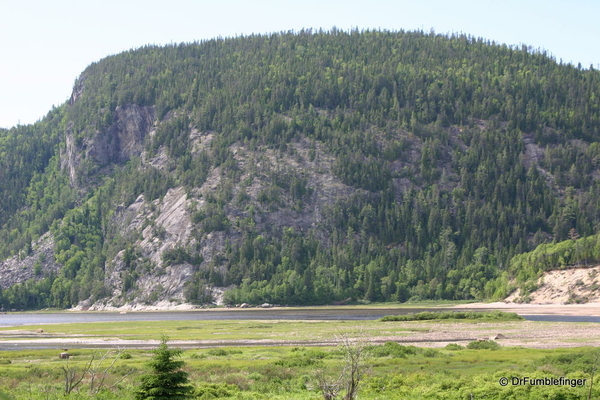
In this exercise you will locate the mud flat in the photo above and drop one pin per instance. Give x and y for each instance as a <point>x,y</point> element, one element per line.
<point>530,334</point>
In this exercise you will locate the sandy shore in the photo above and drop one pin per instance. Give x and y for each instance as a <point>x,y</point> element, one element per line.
<point>588,309</point>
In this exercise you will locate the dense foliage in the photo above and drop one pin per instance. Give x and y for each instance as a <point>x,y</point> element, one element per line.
<point>460,153</point>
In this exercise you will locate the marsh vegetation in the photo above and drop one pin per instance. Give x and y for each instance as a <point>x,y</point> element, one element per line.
<point>243,368</point>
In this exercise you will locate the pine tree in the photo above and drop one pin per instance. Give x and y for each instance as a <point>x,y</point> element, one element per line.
<point>167,381</point>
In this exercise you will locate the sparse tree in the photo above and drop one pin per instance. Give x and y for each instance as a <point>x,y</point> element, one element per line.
<point>592,370</point>
<point>355,367</point>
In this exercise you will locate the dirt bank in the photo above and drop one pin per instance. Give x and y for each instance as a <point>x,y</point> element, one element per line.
<point>589,309</point>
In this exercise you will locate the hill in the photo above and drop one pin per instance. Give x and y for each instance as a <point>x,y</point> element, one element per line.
<point>298,168</point>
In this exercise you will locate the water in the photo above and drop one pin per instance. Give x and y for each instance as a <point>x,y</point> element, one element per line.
<point>562,318</point>
<point>342,314</point>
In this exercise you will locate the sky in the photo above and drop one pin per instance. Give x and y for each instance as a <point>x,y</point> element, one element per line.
<point>45,45</point>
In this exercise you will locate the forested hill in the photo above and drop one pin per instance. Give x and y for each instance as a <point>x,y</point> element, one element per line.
<point>299,168</point>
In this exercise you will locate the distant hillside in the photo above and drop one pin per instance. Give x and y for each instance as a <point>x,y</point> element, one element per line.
<point>304,168</point>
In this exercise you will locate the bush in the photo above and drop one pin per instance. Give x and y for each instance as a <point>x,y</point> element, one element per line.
<point>215,390</point>
<point>454,346</point>
<point>392,349</point>
<point>222,352</point>
<point>430,353</point>
<point>483,345</point>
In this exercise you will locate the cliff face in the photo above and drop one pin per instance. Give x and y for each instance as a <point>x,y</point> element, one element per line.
<point>166,225</point>
<point>36,263</point>
<point>125,137</point>
<point>115,144</point>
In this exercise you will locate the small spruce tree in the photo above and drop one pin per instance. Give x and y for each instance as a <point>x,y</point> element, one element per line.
<point>168,381</point>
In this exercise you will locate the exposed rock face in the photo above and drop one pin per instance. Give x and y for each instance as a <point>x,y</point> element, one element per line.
<point>163,225</point>
<point>20,269</point>
<point>125,137</point>
<point>77,90</point>
<point>70,157</point>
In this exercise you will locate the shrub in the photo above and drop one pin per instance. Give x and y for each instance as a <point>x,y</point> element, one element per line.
<point>215,390</point>
<point>483,345</point>
<point>222,352</point>
<point>430,353</point>
<point>392,349</point>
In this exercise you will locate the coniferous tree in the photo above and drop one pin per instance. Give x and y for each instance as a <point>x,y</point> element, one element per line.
<point>168,381</point>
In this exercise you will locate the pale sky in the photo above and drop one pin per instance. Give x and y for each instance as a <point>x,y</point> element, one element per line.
<point>46,44</point>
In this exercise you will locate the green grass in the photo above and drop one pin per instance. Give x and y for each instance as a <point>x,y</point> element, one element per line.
<point>463,315</point>
<point>210,330</point>
<point>396,372</point>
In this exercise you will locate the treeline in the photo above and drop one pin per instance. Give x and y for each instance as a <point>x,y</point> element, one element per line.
<point>460,154</point>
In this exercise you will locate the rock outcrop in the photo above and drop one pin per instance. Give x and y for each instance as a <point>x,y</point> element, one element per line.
<point>125,137</point>
<point>39,261</point>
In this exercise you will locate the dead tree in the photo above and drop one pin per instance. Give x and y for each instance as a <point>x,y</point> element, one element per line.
<point>356,364</point>
<point>329,387</point>
<point>355,367</point>
<point>98,373</point>
<point>73,376</point>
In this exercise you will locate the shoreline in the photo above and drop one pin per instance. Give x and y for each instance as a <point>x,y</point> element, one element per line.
<point>586,309</point>
<point>581,310</point>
